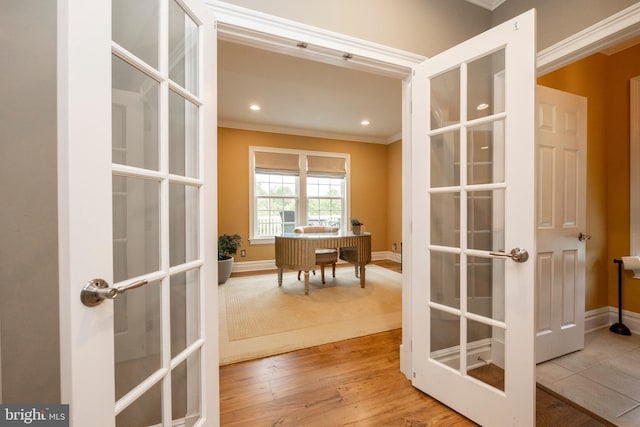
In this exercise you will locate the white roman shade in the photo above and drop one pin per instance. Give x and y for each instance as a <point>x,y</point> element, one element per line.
<point>326,166</point>
<point>269,162</point>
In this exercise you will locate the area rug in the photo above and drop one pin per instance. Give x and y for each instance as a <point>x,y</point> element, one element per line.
<point>259,319</point>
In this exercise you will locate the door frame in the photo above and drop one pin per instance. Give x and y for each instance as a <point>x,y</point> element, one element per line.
<point>268,32</point>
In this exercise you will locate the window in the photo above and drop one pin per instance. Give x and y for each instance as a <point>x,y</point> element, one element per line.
<point>324,201</point>
<point>292,188</point>
<point>275,203</point>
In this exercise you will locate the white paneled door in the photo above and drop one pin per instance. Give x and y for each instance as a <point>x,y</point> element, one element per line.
<point>473,225</point>
<point>137,212</point>
<point>561,138</point>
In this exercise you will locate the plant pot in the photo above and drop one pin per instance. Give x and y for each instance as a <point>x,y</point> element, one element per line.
<point>224,269</point>
<point>356,229</point>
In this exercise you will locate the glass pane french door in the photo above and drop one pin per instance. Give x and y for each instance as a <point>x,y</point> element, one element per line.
<point>467,219</point>
<point>472,208</point>
<point>157,223</point>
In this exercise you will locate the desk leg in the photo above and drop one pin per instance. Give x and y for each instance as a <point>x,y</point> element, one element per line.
<point>362,270</point>
<point>306,282</point>
<point>279,276</point>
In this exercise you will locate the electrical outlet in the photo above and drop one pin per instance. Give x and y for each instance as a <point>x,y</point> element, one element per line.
<point>243,253</point>
<point>394,247</point>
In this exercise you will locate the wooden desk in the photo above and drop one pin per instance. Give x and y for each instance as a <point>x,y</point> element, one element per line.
<point>298,252</point>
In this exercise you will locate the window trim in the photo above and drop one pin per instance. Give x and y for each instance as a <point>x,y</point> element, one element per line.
<point>302,196</point>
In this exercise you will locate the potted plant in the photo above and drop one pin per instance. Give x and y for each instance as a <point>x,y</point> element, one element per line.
<point>356,225</point>
<point>227,247</point>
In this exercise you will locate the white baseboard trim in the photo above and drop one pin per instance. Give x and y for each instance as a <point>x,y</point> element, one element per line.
<point>629,318</point>
<point>243,266</point>
<point>386,255</point>
<point>478,354</point>
<point>596,319</point>
<point>270,264</point>
<point>606,316</point>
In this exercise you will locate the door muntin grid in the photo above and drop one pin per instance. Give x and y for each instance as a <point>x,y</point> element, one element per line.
<point>466,198</point>
<point>157,166</point>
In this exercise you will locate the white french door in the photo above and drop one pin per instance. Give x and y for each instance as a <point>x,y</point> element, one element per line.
<point>472,221</point>
<point>137,209</point>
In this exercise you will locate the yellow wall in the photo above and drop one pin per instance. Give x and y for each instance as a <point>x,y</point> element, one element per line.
<point>604,80</point>
<point>394,195</point>
<point>587,78</point>
<point>621,67</point>
<point>370,183</point>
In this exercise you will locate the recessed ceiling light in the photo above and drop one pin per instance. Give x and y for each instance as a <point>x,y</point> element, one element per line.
<point>365,123</point>
<point>254,107</point>
<point>482,106</point>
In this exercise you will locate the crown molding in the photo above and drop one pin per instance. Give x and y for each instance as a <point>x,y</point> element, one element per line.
<point>602,35</point>
<point>626,44</point>
<point>256,127</point>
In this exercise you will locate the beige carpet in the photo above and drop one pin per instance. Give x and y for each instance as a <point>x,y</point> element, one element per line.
<point>258,318</point>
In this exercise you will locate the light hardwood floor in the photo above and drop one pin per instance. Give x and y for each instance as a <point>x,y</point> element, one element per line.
<point>353,382</point>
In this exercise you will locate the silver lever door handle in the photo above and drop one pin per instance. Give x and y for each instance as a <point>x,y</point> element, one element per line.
<point>516,254</point>
<point>583,237</point>
<point>97,290</point>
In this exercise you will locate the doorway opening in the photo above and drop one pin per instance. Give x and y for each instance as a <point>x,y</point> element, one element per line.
<point>548,60</point>
<point>307,58</point>
<point>603,78</point>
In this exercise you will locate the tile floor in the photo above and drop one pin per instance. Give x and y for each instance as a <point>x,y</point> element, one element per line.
<point>604,377</point>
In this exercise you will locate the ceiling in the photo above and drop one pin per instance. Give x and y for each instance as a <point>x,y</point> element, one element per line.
<point>305,97</point>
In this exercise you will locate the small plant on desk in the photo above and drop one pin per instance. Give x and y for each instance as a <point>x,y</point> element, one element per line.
<point>356,226</point>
